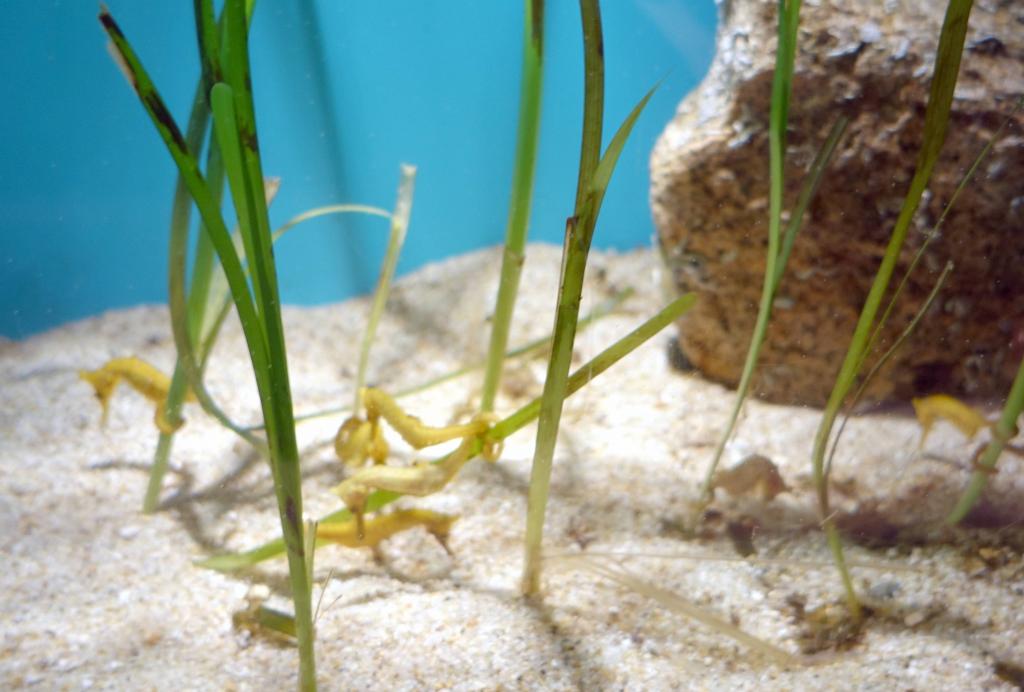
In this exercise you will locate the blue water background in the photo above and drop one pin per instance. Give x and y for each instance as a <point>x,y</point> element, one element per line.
<point>345,92</point>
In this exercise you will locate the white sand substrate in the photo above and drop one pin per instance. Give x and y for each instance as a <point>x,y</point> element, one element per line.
<point>95,595</point>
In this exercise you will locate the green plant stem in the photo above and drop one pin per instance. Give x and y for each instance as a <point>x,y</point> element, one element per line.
<point>161,460</point>
<point>595,175</point>
<point>807,192</point>
<point>876,334</point>
<point>396,238</point>
<point>885,357</point>
<point>181,209</point>
<point>944,78</point>
<point>235,125</point>
<point>578,235</point>
<point>931,236</point>
<point>1004,431</point>
<point>522,195</point>
<point>501,430</point>
<point>203,268</point>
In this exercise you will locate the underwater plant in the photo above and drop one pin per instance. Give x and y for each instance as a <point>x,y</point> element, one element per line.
<point>779,246</point>
<point>951,42</point>
<point>595,172</point>
<point>380,497</point>
<point>945,72</point>
<point>232,265</point>
<point>1004,429</point>
<point>240,265</point>
<point>224,55</point>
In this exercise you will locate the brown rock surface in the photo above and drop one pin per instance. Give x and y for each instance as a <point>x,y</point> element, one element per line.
<point>872,63</point>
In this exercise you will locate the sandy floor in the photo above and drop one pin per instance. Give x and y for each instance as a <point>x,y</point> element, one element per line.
<point>93,594</point>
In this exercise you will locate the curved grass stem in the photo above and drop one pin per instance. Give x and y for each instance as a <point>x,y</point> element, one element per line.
<point>940,99</point>
<point>778,253</point>
<point>777,268</point>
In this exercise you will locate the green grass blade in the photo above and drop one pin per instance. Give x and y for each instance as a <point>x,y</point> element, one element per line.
<point>1004,431</point>
<point>606,166</point>
<point>778,248</point>
<point>310,550</point>
<point>272,371</point>
<point>938,225</point>
<point>810,186</point>
<point>205,267</point>
<point>218,296</point>
<point>593,97</point>
<point>815,174</point>
<point>595,175</point>
<point>908,330</point>
<point>276,397</point>
<point>242,161</point>
<point>522,196</point>
<point>222,101</point>
<point>181,211</point>
<point>578,233</point>
<point>208,40</point>
<point>187,165</point>
<point>947,66</point>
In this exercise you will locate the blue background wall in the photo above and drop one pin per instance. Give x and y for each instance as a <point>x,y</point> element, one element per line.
<point>345,91</point>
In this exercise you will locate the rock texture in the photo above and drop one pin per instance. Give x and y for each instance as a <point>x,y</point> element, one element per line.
<point>871,62</point>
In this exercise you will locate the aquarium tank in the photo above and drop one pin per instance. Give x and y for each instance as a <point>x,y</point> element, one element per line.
<point>531,345</point>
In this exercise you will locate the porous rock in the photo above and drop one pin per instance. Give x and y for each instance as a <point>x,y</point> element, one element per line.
<point>871,62</point>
